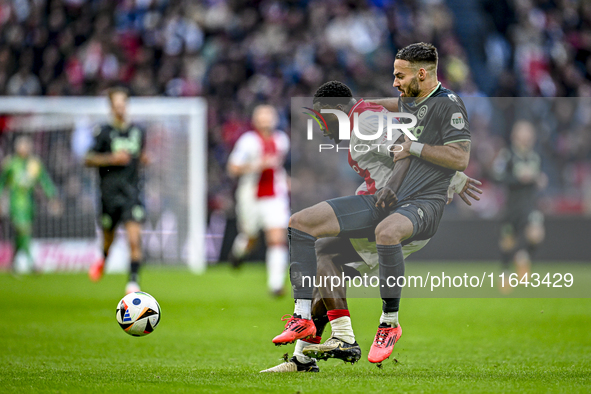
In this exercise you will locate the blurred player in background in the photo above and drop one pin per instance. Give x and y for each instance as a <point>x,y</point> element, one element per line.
<point>262,200</point>
<point>20,174</point>
<point>520,168</point>
<point>119,152</point>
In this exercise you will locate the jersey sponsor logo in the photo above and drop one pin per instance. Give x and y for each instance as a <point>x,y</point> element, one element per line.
<point>131,144</point>
<point>457,121</point>
<point>422,112</point>
<point>417,131</point>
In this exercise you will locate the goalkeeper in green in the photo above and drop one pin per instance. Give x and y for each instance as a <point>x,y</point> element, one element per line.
<point>20,174</point>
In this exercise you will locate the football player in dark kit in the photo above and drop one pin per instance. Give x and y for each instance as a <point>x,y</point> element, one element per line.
<point>519,168</point>
<point>119,152</point>
<point>442,148</point>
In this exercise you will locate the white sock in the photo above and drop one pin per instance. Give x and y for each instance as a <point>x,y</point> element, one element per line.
<point>239,246</point>
<point>390,318</point>
<point>342,329</point>
<point>303,308</point>
<point>276,267</point>
<point>298,351</point>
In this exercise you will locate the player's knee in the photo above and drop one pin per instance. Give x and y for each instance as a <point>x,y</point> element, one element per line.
<point>388,234</point>
<point>298,221</point>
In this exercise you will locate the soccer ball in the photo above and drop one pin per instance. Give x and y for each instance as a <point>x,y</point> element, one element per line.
<point>138,313</point>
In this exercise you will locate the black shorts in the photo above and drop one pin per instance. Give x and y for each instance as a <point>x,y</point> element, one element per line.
<point>115,212</point>
<point>358,216</point>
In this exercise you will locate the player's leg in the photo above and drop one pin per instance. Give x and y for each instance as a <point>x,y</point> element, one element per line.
<point>242,246</point>
<point>276,259</point>
<point>21,215</point>
<point>274,216</point>
<point>389,235</point>
<point>108,220</point>
<point>534,234</point>
<point>333,254</point>
<point>347,215</point>
<point>134,238</point>
<point>247,218</point>
<point>304,228</point>
<point>300,362</point>
<point>411,220</point>
<point>507,245</point>
<point>23,230</point>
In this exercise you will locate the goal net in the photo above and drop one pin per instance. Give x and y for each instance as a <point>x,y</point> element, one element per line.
<point>65,235</point>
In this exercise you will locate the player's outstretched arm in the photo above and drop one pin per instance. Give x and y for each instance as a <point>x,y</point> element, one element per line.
<point>391,104</point>
<point>465,187</point>
<point>454,156</point>
<point>94,159</point>
<point>46,183</point>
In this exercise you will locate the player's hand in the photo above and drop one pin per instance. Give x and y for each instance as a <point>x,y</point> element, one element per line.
<point>270,161</point>
<point>120,158</point>
<point>386,198</point>
<point>470,189</point>
<point>404,152</point>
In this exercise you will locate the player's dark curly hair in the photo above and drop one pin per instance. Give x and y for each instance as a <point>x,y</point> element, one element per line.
<point>333,93</point>
<point>420,52</point>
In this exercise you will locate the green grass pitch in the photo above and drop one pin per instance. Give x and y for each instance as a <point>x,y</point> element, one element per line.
<point>58,333</point>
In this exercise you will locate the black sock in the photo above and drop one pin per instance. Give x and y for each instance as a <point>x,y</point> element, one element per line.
<point>320,323</point>
<point>531,248</point>
<point>506,258</point>
<point>302,262</point>
<point>134,271</point>
<point>391,266</point>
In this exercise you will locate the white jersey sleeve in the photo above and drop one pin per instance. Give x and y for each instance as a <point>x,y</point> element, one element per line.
<point>373,127</point>
<point>282,143</point>
<point>246,150</point>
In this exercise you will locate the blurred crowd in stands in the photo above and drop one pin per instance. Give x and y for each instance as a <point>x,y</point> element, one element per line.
<point>239,53</point>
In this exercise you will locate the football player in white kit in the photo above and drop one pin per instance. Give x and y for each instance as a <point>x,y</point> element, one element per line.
<point>262,200</point>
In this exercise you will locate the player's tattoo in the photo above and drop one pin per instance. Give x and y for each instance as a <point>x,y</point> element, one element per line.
<point>465,145</point>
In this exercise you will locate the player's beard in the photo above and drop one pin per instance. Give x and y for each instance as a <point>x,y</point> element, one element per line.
<point>412,91</point>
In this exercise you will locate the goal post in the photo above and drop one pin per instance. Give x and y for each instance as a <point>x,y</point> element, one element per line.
<point>176,185</point>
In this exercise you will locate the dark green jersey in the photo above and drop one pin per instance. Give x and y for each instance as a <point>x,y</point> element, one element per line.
<point>520,172</point>
<point>441,120</point>
<point>21,175</point>
<point>120,182</point>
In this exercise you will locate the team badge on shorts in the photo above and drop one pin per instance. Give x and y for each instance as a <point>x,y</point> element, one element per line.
<point>421,213</point>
